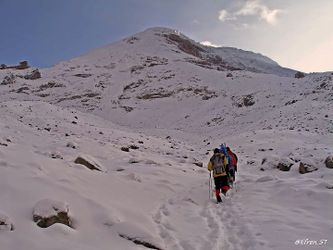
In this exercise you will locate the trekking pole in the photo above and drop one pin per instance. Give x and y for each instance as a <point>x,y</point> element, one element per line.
<point>209,185</point>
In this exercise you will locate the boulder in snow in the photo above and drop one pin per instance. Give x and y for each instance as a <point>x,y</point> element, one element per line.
<point>306,168</point>
<point>199,164</point>
<point>10,79</point>
<point>89,162</point>
<point>35,74</point>
<point>5,223</point>
<point>125,149</point>
<point>329,162</point>
<point>48,212</point>
<point>284,166</point>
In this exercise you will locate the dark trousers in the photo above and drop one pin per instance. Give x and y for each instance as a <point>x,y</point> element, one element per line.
<point>221,182</point>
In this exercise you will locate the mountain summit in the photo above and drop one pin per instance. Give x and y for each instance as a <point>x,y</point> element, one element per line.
<point>169,43</point>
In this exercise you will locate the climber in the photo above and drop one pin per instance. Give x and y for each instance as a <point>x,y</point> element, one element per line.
<point>218,164</point>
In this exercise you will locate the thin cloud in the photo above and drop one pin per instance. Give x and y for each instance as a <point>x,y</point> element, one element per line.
<point>252,8</point>
<point>224,15</point>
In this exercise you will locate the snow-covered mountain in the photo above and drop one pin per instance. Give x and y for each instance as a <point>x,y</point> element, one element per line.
<point>145,112</point>
<point>247,60</point>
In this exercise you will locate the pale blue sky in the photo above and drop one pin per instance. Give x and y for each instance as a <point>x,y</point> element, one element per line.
<point>295,33</point>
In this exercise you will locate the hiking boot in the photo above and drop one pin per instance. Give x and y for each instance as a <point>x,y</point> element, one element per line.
<point>218,198</point>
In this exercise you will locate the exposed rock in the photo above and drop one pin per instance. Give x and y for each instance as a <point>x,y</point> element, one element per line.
<point>10,79</point>
<point>50,84</point>
<point>199,164</point>
<point>22,90</point>
<point>229,75</point>
<point>248,100</point>
<point>133,161</point>
<point>329,162</point>
<point>290,102</point>
<point>48,212</point>
<point>22,65</point>
<point>89,162</point>
<point>71,145</point>
<point>56,155</point>
<point>134,147</point>
<point>185,45</point>
<point>284,166</point>
<point>139,241</point>
<point>5,223</point>
<point>132,39</point>
<point>299,75</point>
<point>162,93</point>
<point>245,100</point>
<point>306,168</point>
<point>125,149</point>
<point>83,75</point>
<point>127,108</point>
<point>35,74</point>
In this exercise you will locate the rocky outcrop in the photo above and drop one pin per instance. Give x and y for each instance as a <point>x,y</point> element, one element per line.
<point>10,79</point>
<point>22,65</point>
<point>83,75</point>
<point>299,75</point>
<point>243,101</point>
<point>89,162</point>
<point>306,168</point>
<point>49,85</point>
<point>329,162</point>
<point>35,74</point>
<point>284,166</point>
<point>185,45</point>
<point>48,212</point>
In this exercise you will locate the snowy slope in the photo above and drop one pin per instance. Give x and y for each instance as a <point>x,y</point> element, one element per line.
<point>171,100</point>
<point>247,60</point>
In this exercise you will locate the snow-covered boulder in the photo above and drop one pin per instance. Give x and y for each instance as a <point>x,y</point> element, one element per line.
<point>5,223</point>
<point>90,163</point>
<point>10,79</point>
<point>329,162</point>
<point>284,166</point>
<point>48,212</point>
<point>35,74</point>
<point>306,168</point>
<point>276,162</point>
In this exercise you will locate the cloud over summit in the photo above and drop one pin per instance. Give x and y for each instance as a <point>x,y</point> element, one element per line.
<point>251,8</point>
